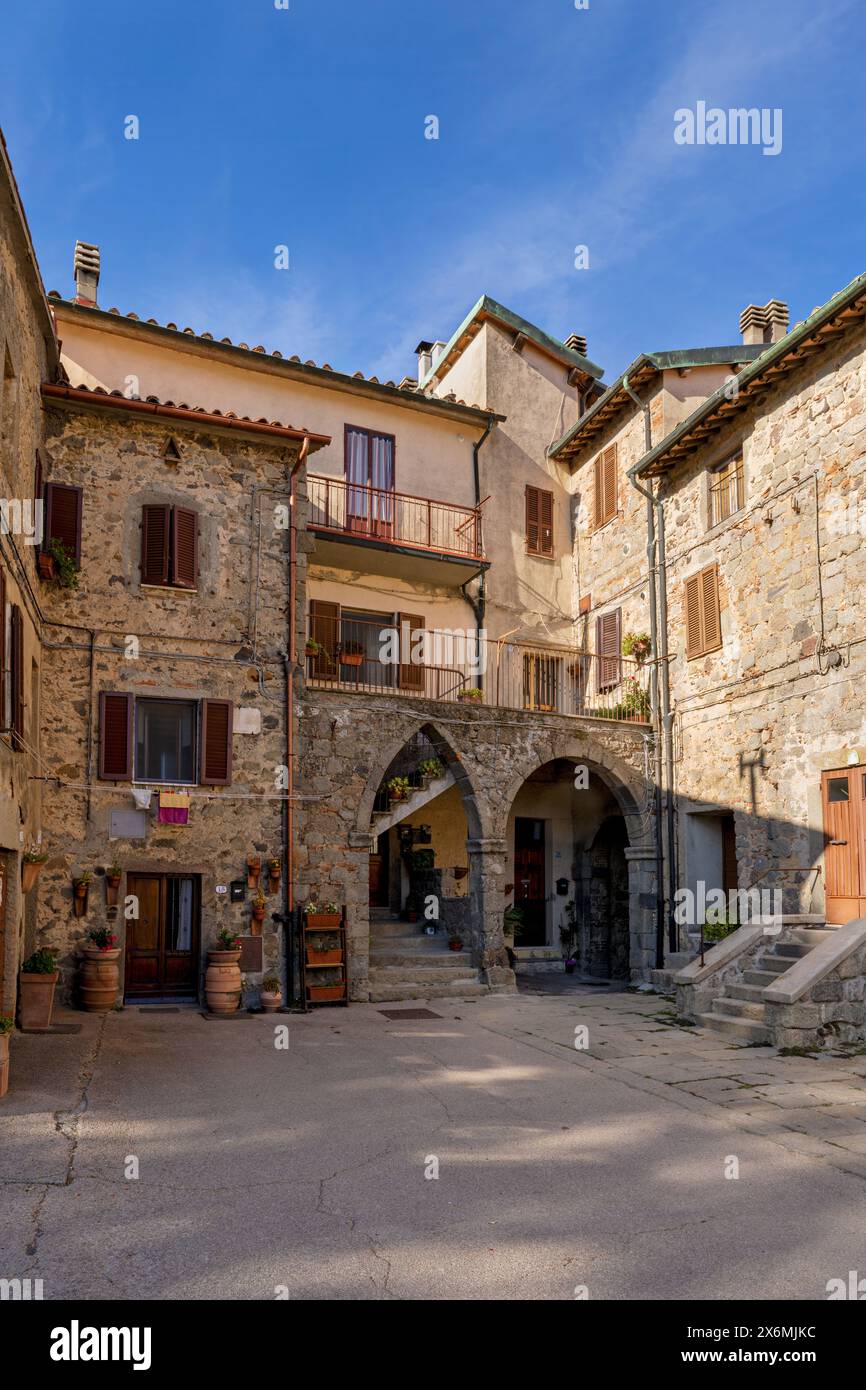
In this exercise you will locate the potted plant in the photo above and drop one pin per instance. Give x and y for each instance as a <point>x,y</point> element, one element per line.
<point>351,654</point>
<point>512,922</point>
<point>271,993</point>
<point>222,982</point>
<point>471,696</point>
<point>455,942</point>
<point>100,974</point>
<point>257,909</point>
<point>570,963</point>
<point>275,869</point>
<point>398,788</point>
<point>31,867</point>
<point>430,770</point>
<point>322,916</point>
<point>322,951</point>
<point>47,566</point>
<point>80,891</point>
<point>36,985</point>
<point>113,875</point>
<point>636,703</point>
<point>63,568</point>
<point>636,645</point>
<point>254,870</point>
<point>7,1023</point>
<point>314,648</point>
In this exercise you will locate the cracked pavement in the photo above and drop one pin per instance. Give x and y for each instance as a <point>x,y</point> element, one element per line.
<point>307,1172</point>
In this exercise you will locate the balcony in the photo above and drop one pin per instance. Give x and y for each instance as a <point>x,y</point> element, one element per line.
<point>369,658</point>
<point>399,533</point>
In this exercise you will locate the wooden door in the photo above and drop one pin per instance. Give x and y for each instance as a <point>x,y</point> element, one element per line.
<point>3,894</point>
<point>843,792</point>
<point>530,881</point>
<point>162,956</point>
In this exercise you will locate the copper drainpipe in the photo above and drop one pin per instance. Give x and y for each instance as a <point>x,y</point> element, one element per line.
<point>291,664</point>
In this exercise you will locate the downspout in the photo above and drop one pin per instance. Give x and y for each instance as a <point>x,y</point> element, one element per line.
<point>478,604</point>
<point>660,687</point>
<point>291,659</point>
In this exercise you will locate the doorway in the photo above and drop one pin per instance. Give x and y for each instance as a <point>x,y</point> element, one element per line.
<point>530,881</point>
<point>162,942</point>
<point>843,794</point>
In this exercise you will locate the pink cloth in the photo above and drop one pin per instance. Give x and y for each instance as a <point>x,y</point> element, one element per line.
<point>173,815</point>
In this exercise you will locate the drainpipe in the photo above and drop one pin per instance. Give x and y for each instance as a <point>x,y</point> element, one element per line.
<point>656,563</point>
<point>290,661</point>
<point>479,603</point>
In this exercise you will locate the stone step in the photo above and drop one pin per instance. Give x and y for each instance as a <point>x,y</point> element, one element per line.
<point>775,964</point>
<point>760,977</point>
<point>745,1030</point>
<point>752,993</point>
<point>415,989</point>
<point>813,936</point>
<point>422,978</point>
<point>790,949</point>
<point>739,1008</point>
<point>392,926</point>
<point>421,960</point>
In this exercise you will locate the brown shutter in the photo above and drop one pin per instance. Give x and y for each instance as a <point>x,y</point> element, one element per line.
<point>608,644</point>
<point>412,675</point>
<point>710,606</point>
<point>216,743</point>
<point>155,522</point>
<point>532,518</point>
<point>694,642</point>
<point>598,492</point>
<point>184,566</point>
<point>115,736</point>
<point>37,476</point>
<point>610,482</point>
<point>546,522</point>
<point>17,628</point>
<point>2,651</point>
<point>63,517</point>
<point>325,629</point>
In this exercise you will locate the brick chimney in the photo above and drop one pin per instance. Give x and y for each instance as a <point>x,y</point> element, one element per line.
<point>576,343</point>
<point>85,265</point>
<point>765,324</point>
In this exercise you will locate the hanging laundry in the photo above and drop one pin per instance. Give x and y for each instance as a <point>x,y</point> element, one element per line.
<point>173,808</point>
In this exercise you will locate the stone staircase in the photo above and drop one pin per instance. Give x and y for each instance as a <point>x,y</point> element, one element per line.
<point>739,1010</point>
<point>407,964</point>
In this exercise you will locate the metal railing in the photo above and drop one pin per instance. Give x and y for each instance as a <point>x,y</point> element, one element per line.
<point>421,523</point>
<point>371,657</point>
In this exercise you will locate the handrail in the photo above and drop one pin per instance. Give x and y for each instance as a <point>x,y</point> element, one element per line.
<point>341,506</point>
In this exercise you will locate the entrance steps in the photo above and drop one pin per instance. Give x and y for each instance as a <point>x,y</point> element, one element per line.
<point>739,1010</point>
<point>405,963</point>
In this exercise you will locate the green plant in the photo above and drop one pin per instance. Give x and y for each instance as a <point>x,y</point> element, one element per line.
<point>259,900</point>
<point>324,909</point>
<point>471,695</point>
<point>7,1023</point>
<point>636,644</point>
<point>64,560</point>
<point>42,962</point>
<point>314,648</point>
<point>85,878</point>
<point>115,871</point>
<point>35,855</point>
<point>421,859</point>
<point>352,648</point>
<point>271,984</point>
<point>398,787</point>
<point>103,938</point>
<point>718,930</point>
<point>227,940</point>
<point>512,920</point>
<point>431,767</point>
<point>275,864</point>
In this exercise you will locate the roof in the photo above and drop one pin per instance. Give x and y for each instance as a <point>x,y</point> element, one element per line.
<point>309,371</point>
<point>846,307</point>
<point>488,309</point>
<point>99,398</point>
<point>641,370</point>
<point>36,284</point>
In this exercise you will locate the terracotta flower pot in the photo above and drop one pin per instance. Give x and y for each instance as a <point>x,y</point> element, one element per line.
<point>29,875</point>
<point>323,994</point>
<point>351,658</point>
<point>100,979</point>
<point>222,982</point>
<point>47,567</point>
<point>332,956</point>
<point>4,1063</point>
<point>36,999</point>
<point>455,944</point>
<point>271,1002</point>
<point>254,872</point>
<point>323,921</point>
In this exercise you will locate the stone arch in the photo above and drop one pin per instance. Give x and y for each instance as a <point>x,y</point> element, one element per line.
<point>448,755</point>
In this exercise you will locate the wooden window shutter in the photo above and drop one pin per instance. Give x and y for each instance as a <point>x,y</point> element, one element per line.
<point>37,476</point>
<point>115,736</point>
<point>17,632</point>
<point>608,644</point>
<point>605,486</point>
<point>216,743</point>
<point>694,645</point>
<point>184,560</point>
<point>598,492</point>
<point>532,518</point>
<point>546,522</point>
<point>2,651</point>
<point>412,674</point>
<point>63,517</point>
<point>325,629</point>
<point>703,618</point>
<point>155,527</point>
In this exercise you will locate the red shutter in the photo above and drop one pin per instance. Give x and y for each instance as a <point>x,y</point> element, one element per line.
<point>325,629</point>
<point>115,736</point>
<point>532,509</point>
<point>155,522</point>
<point>413,673</point>
<point>17,678</point>
<point>184,566</point>
<point>215,760</point>
<point>63,517</point>
<point>2,651</point>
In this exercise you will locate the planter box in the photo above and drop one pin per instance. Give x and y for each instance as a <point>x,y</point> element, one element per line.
<point>352,659</point>
<point>323,994</point>
<point>323,921</point>
<point>36,999</point>
<point>333,956</point>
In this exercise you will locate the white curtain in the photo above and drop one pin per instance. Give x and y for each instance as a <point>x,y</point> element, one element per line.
<point>382,477</point>
<point>357,471</point>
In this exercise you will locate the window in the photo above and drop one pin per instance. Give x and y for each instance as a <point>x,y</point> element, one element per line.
<point>349,644</point>
<point>169,547</point>
<point>542,681</point>
<point>726,490</point>
<point>605,486</point>
<point>369,467</point>
<point>608,645</point>
<point>703,619</point>
<point>173,741</point>
<point>539,521</point>
<point>62,520</point>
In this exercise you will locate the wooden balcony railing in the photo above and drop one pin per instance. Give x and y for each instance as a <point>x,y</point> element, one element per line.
<point>421,523</point>
<point>369,658</point>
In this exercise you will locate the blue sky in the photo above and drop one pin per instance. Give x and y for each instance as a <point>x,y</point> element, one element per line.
<point>304,127</point>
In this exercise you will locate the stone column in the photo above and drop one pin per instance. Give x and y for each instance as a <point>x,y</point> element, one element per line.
<point>487,859</point>
<point>356,878</point>
<point>641,862</point>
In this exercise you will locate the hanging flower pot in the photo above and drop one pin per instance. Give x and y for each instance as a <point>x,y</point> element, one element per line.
<point>351,654</point>
<point>31,868</point>
<point>112,884</point>
<point>275,870</point>
<point>47,566</point>
<point>254,870</point>
<point>257,913</point>
<point>80,891</point>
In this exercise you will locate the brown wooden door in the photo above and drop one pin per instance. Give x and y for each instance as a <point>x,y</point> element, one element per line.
<point>530,881</point>
<point>844,797</point>
<point>162,955</point>
<point>3,893</point>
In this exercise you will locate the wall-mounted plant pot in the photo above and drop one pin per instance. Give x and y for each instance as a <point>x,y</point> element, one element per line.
<point>351,658</point>
<point>47,567</point>
<point>256,919</point>
<point>461,871</point>
<point>112,889</point>
<point>80,893</point>
<point>36,999</point>
<point>323,921</point>
<point>321,994</point>
<point>332,955</point>
<point>254,872</point>
<point>274,876</point>
<point>30,875</point>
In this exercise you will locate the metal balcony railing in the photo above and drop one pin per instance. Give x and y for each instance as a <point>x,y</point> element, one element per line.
<point>372,658</point>
<point>421,523</point>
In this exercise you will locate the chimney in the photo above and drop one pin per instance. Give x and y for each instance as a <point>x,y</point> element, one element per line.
<point>424,351</point>
<point>576,343</point>
<point>85,265</point>
<point>764,325</point>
